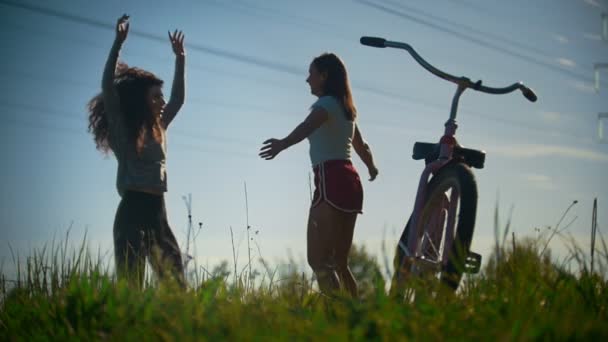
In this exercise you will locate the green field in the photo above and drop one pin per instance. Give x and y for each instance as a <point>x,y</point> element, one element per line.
<point>522,293</point>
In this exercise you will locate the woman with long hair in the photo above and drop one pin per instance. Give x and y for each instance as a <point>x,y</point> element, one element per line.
<point>130,118</point>
<point>332,131</point>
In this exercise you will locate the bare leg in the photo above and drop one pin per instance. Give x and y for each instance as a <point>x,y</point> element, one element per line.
<point>343,243</point>
<point>320,238</point>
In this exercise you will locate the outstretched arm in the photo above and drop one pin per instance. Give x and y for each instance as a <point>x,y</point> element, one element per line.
<point>178,89</point>
<point>365,153</point>
<point>272,146</point>
<point>110,97</point>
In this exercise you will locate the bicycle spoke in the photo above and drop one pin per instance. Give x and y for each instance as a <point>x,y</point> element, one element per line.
<point>432,244</point>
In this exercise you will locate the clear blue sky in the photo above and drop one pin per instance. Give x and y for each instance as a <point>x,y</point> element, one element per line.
<point>246,68</point>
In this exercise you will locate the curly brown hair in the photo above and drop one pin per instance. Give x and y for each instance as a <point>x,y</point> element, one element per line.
<point>132,85</point>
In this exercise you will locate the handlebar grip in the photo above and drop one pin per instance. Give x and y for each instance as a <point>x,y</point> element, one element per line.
<point>373,41</point>
<point>529,94</point>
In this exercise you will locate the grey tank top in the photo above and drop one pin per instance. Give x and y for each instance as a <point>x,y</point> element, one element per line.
<point>146,171</point>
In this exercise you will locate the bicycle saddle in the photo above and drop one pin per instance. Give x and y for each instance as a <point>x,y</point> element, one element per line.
<point>430,152</point>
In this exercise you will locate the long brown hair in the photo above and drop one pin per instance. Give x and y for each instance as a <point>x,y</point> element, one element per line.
<point>132,85</point>
<point>336,84</point>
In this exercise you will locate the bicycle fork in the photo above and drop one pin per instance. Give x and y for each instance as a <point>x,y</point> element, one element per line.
<point>446,145</point>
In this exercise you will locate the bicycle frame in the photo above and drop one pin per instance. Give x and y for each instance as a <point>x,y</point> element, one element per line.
<point>447,143</point>
<point>446,149</point>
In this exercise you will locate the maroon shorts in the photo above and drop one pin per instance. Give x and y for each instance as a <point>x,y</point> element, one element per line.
<point>338,183</point>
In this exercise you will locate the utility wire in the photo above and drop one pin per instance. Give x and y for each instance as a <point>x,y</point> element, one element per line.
<point>267,64</point>
<point>466,37</point>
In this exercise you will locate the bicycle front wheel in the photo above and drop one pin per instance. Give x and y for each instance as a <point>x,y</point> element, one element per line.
<point>451,201</point>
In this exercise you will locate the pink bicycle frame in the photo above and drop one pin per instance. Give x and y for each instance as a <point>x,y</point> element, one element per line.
<point>447,144</point>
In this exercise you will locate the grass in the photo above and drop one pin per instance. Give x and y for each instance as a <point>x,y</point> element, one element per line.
<point>522,293</point>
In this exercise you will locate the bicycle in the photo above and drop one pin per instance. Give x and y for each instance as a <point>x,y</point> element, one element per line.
<point>443,218</point>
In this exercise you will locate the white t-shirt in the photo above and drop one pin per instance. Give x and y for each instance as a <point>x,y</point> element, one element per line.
<point>333,140</point>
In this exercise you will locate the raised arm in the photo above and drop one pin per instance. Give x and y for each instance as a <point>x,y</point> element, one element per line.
<point>110,97</point>
<point>272,146</point>
<point>365,153</point>
<point>178,89</point>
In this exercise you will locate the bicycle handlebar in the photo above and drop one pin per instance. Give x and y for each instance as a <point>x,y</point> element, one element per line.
<point>460,81</point>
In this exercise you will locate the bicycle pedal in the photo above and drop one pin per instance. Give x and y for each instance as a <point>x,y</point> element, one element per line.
<point>472,263</point>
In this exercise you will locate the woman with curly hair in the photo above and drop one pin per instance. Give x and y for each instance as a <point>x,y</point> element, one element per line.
<point>332,131</point>
<point>130,118</point>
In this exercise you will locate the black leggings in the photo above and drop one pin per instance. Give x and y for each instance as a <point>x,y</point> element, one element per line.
<point>141,230</point>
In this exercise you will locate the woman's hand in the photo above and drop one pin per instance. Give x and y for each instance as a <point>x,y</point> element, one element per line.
<point>373,172</point>
<point>177,42</point>
<point>272,147</point>
<point>122,28</point>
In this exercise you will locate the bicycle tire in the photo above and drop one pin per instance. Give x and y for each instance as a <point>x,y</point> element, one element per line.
<point>461,176</point>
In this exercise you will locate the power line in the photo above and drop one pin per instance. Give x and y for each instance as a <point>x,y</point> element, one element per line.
<point>213,102</point>
<point>191,64</point>
<point>40,125</point>
<point>267,111</point>
<point>197,47</point>
<point>387,94</point>
<point>254,10</point>
<point>52,112</point>
<point>45,111</point>
<point>473,6</point>
<point>485,34</point>
<point>56,129</point>
<point>469,38</point>
<point>488,12</point>
<point>75,83</point>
